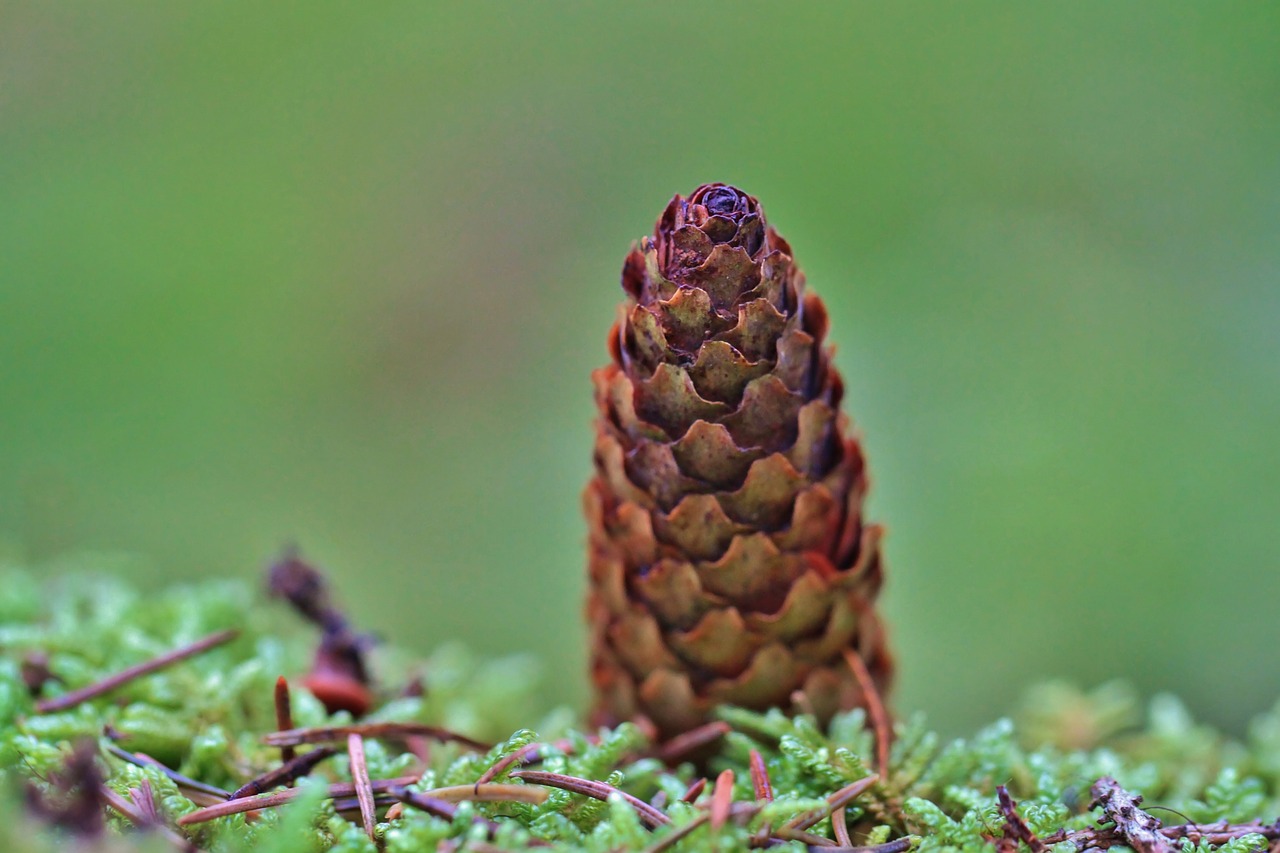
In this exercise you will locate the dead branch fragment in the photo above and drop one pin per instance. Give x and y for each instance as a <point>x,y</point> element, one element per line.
<point>760,782</point>
<point>1015,828</point>
<point>650,816</point>
<point>691,741</point>
<point>285,774</point>
<point>186,784</point>
<point>284,715</point>
<point>1140,830</point>
<point>279,798</point>
<point>879,717</point>
<point>124,676</point>
<point>839,799</point>
<point>364,789</point>
<point>337,734</point>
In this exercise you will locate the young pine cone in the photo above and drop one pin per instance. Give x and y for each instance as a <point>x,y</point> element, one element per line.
<point>729,562</point>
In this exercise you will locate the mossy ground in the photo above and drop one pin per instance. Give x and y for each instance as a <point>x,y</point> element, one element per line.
<point>204,717</point>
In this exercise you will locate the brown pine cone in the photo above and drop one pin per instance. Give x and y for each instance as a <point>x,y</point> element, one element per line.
<point>729,561</point>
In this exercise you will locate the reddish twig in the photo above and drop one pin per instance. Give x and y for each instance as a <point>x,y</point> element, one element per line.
<point>526,753</point>
<point>364,789</point>
<point>124,676</point>
<point>1015,828</point>
<point>650,816</point>
<point>840,828</point>
<point>279,798</point>
<point>695,789</point>
<point>490,792</point>
<point>284,715</point>
<point>900,845</point>
<point>879,717</point>
<point>839,799</point>
<point>332,734</point>
<point>132,813</point>
<point>691,741</point>
<point>443,809</point>
<point>141,759</point>
<point>285,774</point>
<point>760,783</point>
<point>145,799</point>
<point>676,835</point>
<point>721,799</point>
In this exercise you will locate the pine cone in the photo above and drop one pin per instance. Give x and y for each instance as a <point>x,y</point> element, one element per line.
<point>729,562</point>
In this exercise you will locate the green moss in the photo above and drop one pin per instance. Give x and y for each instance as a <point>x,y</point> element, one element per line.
<point>203,717</point>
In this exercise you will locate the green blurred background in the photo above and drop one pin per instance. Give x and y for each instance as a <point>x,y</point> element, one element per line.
<point>336,274</point>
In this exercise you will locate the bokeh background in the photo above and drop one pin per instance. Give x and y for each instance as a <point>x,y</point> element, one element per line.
<point>337,274</point>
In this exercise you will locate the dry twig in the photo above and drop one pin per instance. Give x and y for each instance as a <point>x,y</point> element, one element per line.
<point>124,676</point>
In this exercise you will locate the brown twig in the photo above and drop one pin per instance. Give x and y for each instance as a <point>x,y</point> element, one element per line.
<point>132,813</point>
<point>490,793</point>
<point>364,789</point>
<point>141,759</point>
<point>691,741</point>
<point>284,715</point>
<point>840,827</point>
<point>788,833</point>
<point>526,753</point>
<point>1214,833</point>
<point>1139,829</point>
<point>879,717</point>
<point>721,799</point>
<point>650,816</point>
<point>760,783</point>
<point>443,809</point>
<point>332,734</point>
<point>695,789</point>
<point>285,774</point>
<point>900,845</point>
<point>1015,828</point>
<point>279,798</point>
<point>675,836</point>
<point>124,676</point>
<point>839,799</point>
<point>145,799</point>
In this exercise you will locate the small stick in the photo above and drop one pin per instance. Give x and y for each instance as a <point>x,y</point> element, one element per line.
<point>790,833</point>
<point>331,734</point>
<point>840,827</point>
<point>691,740</point>
<point>1015,828</point>
<point>1139,830</point>
<point>875,710</point>
<point>279,798</point>
<point>448,811</point>
<point>598,790</point>
<point>124,676</point>
<point>145,799</point>
<point>668,840</point>
<point>490,793</point>
<point>141,759</point>
<point>506,761</point>
<point>760,783</point>
<point>900,845</point>
<point>840,798</point>
<point>694,790</point>
<point>721,799</point>
<point>285,774</point>
<point>364,789</point>
<point>135,816</point>
<point>284,715</point>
